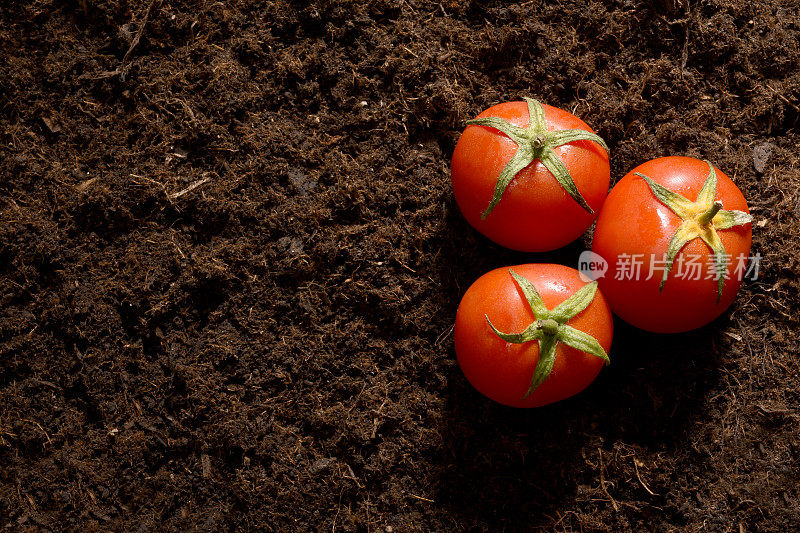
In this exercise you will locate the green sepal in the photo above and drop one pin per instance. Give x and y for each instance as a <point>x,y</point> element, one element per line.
<point>547,357</point>
<point>720,258</point>
<point>567,136</point>
<point>536,114</point>
<point>708,192</point>
<point>532,296</point>
<point>575,303</point>
<point>515,133</point>
<point>728,219</point>
<point>582,341</point>
<point>520,160</point>
<point>559,170</point>
<point>530,333</point>
<point>682,236</point>
<point>677,203</point>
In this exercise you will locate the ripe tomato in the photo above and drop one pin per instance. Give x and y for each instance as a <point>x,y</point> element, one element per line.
<point>529,176</point>
<point>533,334</point>
<point>670,215</point>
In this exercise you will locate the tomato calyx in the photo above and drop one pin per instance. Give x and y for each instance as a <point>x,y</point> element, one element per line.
<point>535,142</point>
<point>701,218</point>
<point>550,327</point>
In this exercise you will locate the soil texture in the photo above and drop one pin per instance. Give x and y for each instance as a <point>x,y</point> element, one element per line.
<point>230,261</point>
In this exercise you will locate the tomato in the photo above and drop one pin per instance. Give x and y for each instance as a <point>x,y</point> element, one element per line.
<point>532,334</point>
<point>530,185</point>
<point>677,217</point>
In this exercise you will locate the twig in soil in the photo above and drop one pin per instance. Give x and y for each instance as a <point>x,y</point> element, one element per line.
<point>685,50</point>
<point>15,205</point>
<point>404,265</point>
<point>82,186</point>
<point>442,336</point>
<point>136,38</point>
<point>734,336</point>
<point>421,498</point>
<point>636,463</point>
<point>338,508</point>
<point>561,518</point>
<point>46,383</point>
<point>35,423</point>
<point>190,188</point>
<point>352,476</point>
<point>121,70</point>
<point>409,51</point>
<point>782,97</point>
<point>183,256</point>
<point>185,106</point>
<point>160,185</point>
<point>781,412</point>
<point>603,481</point>
<point>205,463</point>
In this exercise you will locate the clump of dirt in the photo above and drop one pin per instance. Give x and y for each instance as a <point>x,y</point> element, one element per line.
<point>230,261</point>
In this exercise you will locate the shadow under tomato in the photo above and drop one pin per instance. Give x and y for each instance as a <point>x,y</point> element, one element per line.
<point>656,385</point>
<point>470,254</point>
<point>515,467</point>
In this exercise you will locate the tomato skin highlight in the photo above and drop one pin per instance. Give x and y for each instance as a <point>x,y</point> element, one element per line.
<point>535,213</point>
<point>633,221</point>
<point>502,371</point>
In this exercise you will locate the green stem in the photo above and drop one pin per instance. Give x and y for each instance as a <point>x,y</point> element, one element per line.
<point>704,218</point>
<point>548,326</point>
<point>539,141</point>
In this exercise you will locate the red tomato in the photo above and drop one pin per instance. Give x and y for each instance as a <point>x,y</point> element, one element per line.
<point>535,213</point>
<point>635,223</point>
<point>503,370</point>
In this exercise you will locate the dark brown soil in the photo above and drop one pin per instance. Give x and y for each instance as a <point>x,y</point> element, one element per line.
<point>230,260</point>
